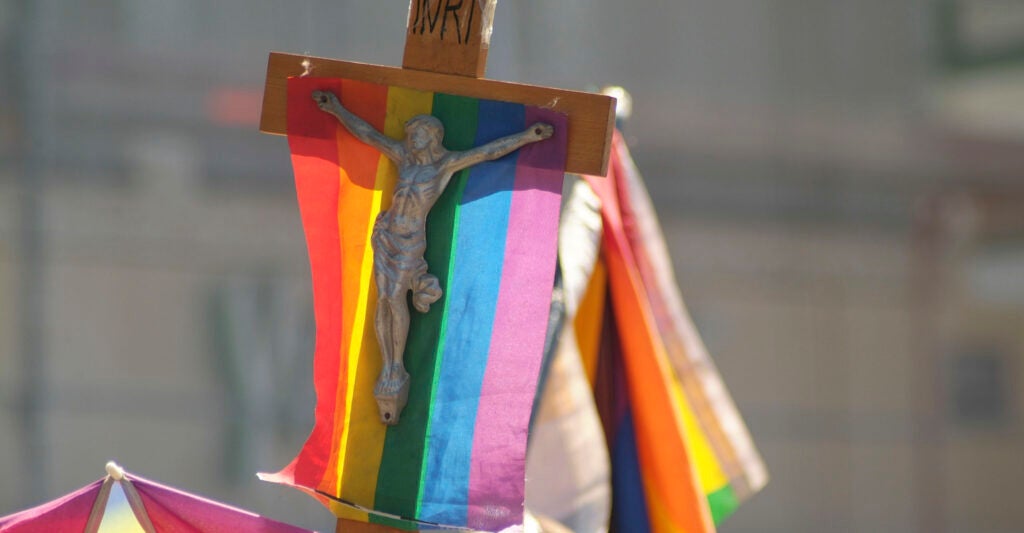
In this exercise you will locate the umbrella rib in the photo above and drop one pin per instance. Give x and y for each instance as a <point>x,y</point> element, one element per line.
<point>135,501</point>
<point>99,506</point>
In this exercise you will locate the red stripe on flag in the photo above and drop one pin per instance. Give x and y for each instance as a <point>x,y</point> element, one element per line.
<point>312,140</point>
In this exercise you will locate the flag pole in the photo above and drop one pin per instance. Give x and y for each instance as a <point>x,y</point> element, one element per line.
<point>354,526</point>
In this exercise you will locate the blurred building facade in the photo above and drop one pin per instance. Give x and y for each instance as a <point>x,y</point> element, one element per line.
<point>841,184</point>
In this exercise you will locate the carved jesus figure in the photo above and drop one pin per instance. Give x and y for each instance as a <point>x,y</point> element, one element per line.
<point>425,168</point>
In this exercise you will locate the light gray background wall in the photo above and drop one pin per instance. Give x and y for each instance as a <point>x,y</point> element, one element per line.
<point>789,145</point>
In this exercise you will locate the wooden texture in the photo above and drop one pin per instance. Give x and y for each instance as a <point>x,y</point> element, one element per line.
<point>591,116</point>
<point>449,36</point>
<point>351,526</point>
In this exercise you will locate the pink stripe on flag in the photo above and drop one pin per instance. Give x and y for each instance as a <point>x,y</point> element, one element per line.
<point>498,462</point>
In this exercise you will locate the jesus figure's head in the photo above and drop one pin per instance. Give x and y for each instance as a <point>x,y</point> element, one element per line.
<point>424,133</point>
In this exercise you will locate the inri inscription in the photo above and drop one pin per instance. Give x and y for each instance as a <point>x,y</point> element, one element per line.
<point>447,19</point>
<point>449,36</point>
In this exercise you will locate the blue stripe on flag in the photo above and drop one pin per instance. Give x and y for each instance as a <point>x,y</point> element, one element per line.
<point>472,299</point>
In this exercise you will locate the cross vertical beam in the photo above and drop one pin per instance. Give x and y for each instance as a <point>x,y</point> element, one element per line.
<point>449,36</point>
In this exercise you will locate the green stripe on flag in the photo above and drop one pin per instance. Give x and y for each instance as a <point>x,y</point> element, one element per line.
<point>723,503</point>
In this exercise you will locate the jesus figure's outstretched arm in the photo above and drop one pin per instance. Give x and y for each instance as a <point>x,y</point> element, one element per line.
<point>363,131</point>
<point>496,149</point>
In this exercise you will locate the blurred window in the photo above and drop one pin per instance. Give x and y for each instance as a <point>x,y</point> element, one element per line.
<point>980,33</point>
<point>977,387</point>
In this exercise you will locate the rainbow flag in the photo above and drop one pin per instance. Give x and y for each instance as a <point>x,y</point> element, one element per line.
<point>457,458</point>
<point>682,459</point>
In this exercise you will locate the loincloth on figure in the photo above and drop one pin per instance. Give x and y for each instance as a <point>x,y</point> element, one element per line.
<point>398,259</point>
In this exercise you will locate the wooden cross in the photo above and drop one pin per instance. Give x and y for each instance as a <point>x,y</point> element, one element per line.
<point>446,44</point>
<point>446,49</point>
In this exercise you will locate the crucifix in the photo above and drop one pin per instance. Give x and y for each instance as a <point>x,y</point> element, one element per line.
<point>425,168</point>
<point>445,51</point>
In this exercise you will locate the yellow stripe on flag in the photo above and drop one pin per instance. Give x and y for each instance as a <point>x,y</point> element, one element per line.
<point>709,471</point>
<point>360,457</point>
<point>589,320</point>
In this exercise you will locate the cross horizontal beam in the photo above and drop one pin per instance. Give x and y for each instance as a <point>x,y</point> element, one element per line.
<point>591,116</point>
